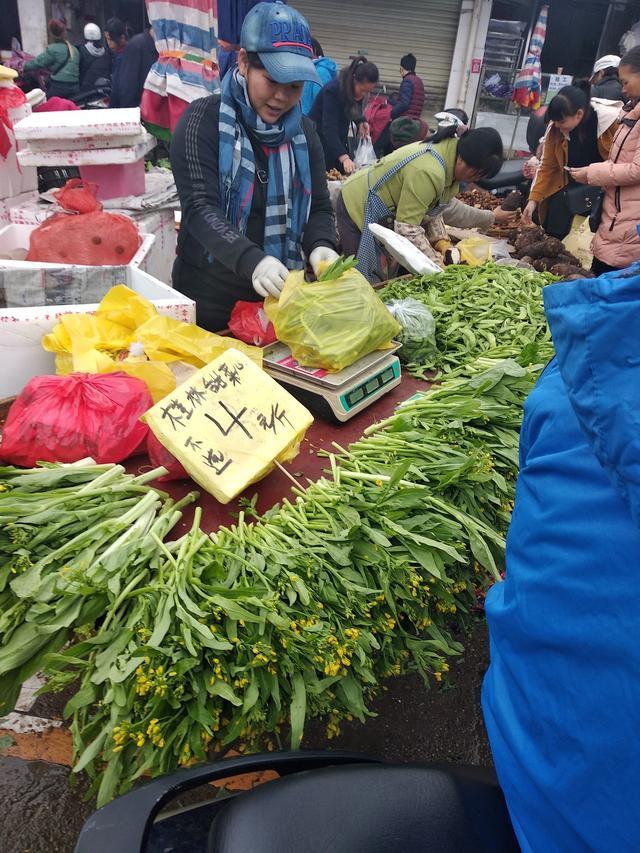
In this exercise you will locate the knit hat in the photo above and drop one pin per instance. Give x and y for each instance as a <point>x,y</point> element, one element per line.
<point>408,62</point>
<point>404,131</point>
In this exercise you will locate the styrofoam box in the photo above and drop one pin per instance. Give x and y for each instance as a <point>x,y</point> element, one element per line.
<point>88,156</point>
<point>27,209</point>
<point>21,329</point>
<point>79,124</point>
<point>16,236</point>
<point>88,143</point>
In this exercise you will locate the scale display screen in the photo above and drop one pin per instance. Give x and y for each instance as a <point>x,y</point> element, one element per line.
<point>361,392</point>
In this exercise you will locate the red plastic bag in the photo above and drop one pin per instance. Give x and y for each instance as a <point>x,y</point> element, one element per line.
<point>159,455</point>
<point>250,324</point>
<point>66,418</point>
<point>78,196</point>
<point>94,237</point>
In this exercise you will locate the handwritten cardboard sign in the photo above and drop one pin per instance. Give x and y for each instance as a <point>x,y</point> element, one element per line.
<point>228,423</point>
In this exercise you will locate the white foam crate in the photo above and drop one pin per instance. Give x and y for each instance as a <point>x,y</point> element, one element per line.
<point>16,236</point>
<point>21,329</point>
<point>79,124</point>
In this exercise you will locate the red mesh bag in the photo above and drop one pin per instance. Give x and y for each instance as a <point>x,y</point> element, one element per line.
<point>78,196</point>
<point>66,418</point>
<point>93,237</point>
<point>159,455</point>
<point>250,324</point>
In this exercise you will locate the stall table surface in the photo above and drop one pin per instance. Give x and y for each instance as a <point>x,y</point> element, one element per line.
<point>307,465</point>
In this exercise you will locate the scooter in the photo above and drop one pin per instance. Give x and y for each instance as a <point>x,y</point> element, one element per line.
<point>321,801</point>
<point>96,98</point>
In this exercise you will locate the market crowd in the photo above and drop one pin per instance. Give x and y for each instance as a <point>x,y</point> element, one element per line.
<point>116,62</point>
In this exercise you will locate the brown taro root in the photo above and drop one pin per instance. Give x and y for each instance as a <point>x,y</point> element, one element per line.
<point>567,258</point>
<point>571,271</point>
<point>550,247</point>
<point>536,250</point>
<point>528,236</point>
<point>543,264</point>
<point>513,201</point>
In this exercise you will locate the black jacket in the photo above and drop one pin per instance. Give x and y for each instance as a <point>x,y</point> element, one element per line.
<point>93,68</point>
<point>130,71</point>
<point>610,88</point>
<point>332,114</point>
<point>215,261</point>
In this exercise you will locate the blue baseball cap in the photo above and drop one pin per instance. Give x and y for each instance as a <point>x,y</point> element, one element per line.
<point>282,39</point>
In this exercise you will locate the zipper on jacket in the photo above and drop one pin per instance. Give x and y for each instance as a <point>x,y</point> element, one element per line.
<point>630,123</point>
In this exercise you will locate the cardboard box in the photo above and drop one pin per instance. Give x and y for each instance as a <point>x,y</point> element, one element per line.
<point>21,329</point>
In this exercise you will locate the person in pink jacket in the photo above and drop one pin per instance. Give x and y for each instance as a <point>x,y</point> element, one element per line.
<point>617,243</point>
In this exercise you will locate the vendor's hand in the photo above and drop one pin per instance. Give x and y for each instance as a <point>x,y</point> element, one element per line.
<point>503,217</point>
<point>528,212</point>
<point>269,276</point>
<point>363,129</point>
<point>581,175</point>
<point>321,254</point>
<point>348,166</point>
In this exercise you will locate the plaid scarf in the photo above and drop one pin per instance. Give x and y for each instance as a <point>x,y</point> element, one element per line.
<point>288,175</point>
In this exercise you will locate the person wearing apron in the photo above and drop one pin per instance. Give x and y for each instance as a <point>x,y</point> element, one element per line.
<point>411,183</point>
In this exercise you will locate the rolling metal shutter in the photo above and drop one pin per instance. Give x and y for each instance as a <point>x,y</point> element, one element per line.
<point>385,31</point>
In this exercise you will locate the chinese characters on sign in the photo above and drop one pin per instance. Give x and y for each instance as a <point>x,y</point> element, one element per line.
<point>228,423</point>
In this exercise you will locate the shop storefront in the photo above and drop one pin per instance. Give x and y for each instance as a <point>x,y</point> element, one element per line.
<point>385,33</point>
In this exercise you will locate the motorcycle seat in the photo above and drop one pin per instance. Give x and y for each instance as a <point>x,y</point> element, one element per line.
<point>370,808</point>
<point>510,173</point>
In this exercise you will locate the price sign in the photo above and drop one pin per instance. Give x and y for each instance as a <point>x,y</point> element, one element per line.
<point>557,82</point>
<point>228,423</point>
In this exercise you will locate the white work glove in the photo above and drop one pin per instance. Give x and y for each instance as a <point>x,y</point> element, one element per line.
<point>269,276</point>
<point>319,255</point>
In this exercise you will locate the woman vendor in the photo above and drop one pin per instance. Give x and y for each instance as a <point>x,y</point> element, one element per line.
<point>250,173</point>
<point>411,183</point>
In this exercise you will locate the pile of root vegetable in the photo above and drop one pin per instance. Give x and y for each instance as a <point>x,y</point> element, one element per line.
<point>547,254</point>
<point>532,244</point>
<point>479,198</point>
<point>174,649</point>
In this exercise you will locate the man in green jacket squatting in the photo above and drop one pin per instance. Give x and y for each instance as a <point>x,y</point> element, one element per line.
<point>413,182</point>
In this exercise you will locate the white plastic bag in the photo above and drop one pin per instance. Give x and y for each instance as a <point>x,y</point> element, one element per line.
<point>404,251</point>
<point>418,335</point>
<point>365,155</point>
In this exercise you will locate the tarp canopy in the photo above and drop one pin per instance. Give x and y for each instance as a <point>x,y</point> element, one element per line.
<point>187,68</point>
<point>528,83</point>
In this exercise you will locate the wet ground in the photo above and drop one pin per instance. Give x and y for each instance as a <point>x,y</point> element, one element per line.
<point>43,813</point>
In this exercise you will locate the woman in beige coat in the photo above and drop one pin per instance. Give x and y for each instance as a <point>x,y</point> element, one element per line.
<point>617,243</point>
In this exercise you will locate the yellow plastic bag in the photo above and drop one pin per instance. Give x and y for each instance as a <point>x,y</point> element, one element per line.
<point>79,333</point>
<point>475,251</point>
<point>101,342</point>
<point>126,307</point>
<point>330,324</point>
<point>229,423</point>
<point>166,339</point>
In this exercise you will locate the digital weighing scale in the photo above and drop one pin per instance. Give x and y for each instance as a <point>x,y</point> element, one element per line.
<point>335,396</point>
